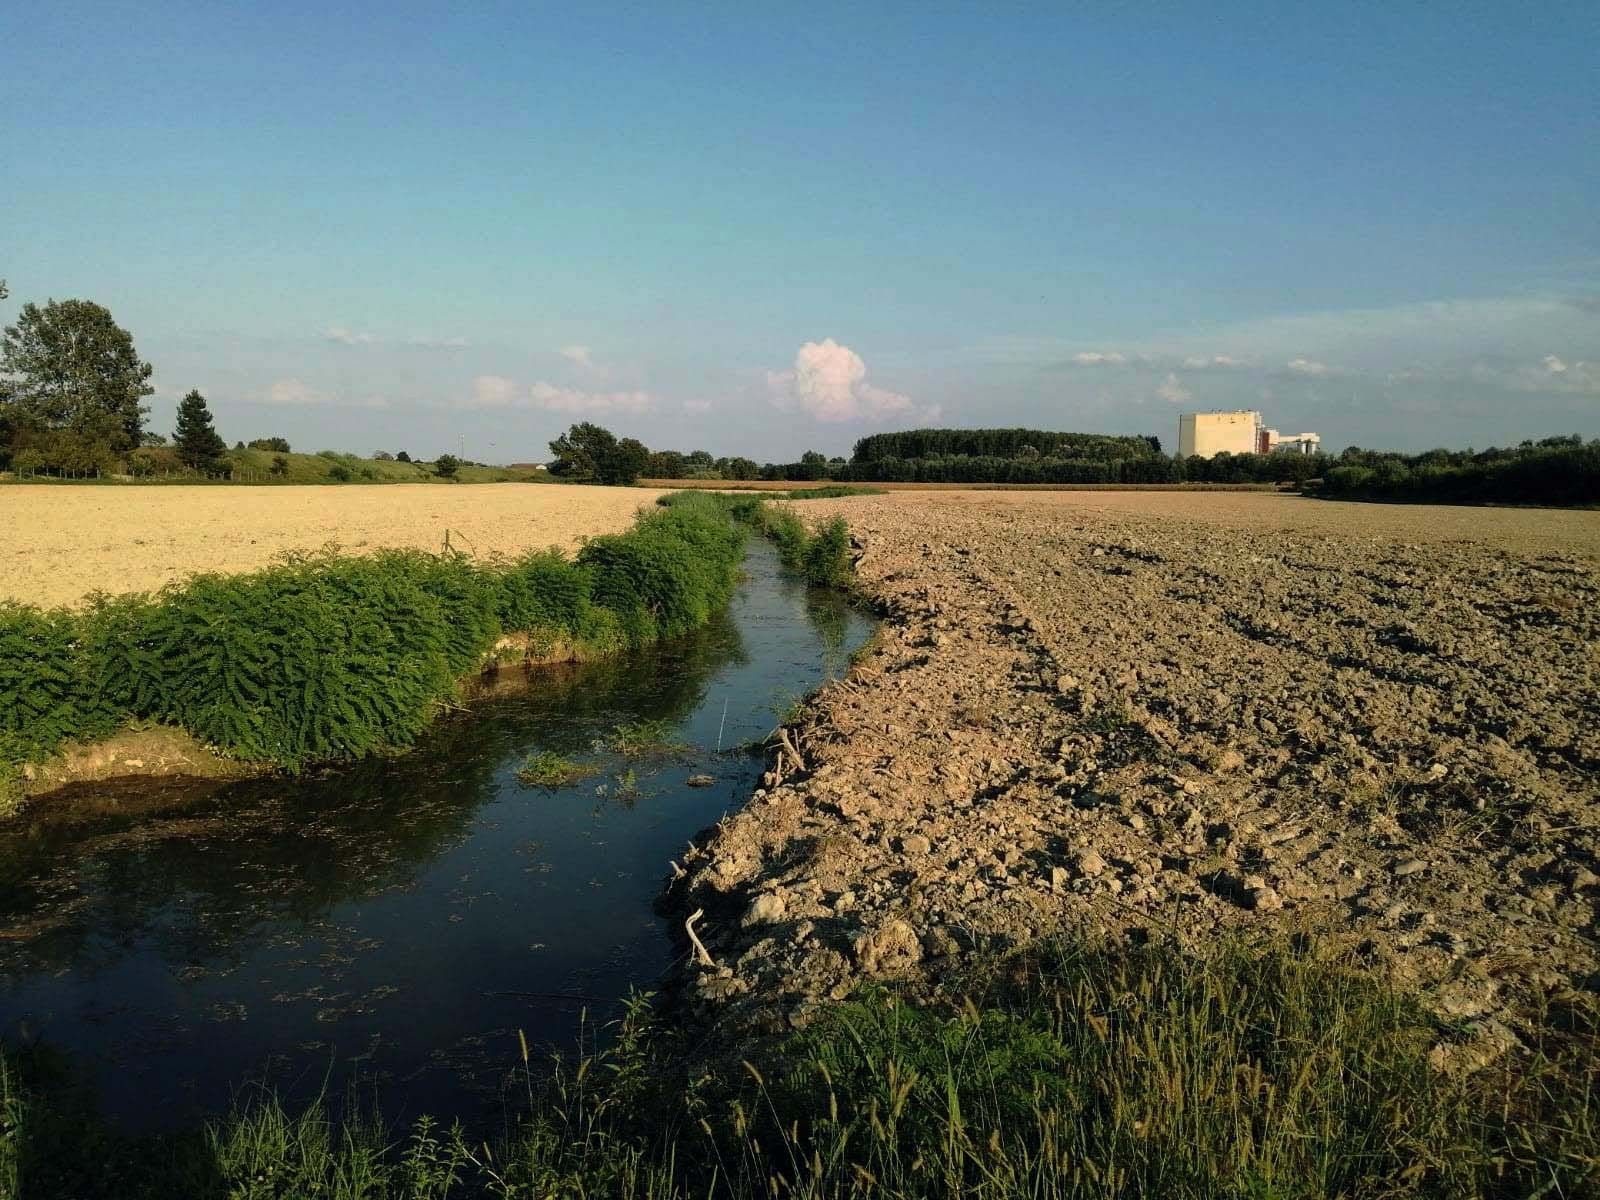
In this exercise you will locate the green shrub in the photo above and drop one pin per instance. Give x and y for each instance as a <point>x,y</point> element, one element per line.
<point>49,695</point>
<point>339,473</point>
<point>544,590</point>
<point>826,558</point>
<point>469,594</point>
<point>321,657</point>
<point>667,574</point>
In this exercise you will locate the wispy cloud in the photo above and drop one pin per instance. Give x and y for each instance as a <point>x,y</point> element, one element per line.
<point>347,337</point>
<point>343,336</point>
<point>496,391</point>
<point>829,382</point>
<point>1308,366</point>
<point>1556,374</point>
<point>296,393</point>
<point>575,400</point>
<point>697,407</point>
<point>1173,391</point>
<point>1215,362</point>
<point>293,393</point>
<point>579,356</point>
<point>493,391</point>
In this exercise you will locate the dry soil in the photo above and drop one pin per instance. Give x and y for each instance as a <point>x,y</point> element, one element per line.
<point>58,543</point>
<point>1135,715</point>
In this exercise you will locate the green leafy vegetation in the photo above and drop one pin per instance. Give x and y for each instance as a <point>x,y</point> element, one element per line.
<point>1554,471</point>
<point>587,453</point>
<point>1000,443</point>
<point>832,491</point>
<point>72,387</point>
<point>1275,1070</point>
<point>322,657</point>
<point>548,769</point>
<point>821,555</point>
<point>642,738</point>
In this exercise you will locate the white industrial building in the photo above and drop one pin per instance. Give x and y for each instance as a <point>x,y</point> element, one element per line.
<point>1238,431</point>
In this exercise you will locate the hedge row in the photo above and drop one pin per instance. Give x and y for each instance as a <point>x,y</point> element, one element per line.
<point>321,657</point>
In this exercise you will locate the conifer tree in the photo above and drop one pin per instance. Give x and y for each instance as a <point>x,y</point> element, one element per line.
<point>196,439</point>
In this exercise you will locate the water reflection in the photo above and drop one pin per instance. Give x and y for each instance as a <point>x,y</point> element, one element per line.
<point>401,918</point>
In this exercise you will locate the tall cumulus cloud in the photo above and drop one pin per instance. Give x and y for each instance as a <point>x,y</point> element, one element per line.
<point>829,382</point>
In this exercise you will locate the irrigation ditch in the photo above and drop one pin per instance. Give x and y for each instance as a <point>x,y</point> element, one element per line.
<point>1272,1065</point>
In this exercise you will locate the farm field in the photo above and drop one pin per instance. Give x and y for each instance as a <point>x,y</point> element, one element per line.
<point>59,543</point>
<point>1105,713</point>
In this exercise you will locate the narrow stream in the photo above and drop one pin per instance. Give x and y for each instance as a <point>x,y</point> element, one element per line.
<point>398,922</point>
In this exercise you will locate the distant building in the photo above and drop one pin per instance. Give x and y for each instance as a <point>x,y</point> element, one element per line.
<point>1238,431</point>
<point>1211,433</point>
<point>1273,442</point>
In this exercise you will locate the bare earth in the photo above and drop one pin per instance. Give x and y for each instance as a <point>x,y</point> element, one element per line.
<point>58,544</point>
<point>1138,714</point>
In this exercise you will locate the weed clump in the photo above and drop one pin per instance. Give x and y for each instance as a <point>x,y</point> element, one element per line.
<point>642,738</point>
<point>548,769</point>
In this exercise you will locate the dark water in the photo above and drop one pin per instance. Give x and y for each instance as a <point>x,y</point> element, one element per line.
<point>398,922</point>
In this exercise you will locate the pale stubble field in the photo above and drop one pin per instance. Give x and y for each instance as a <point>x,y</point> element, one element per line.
<point>59,543</point>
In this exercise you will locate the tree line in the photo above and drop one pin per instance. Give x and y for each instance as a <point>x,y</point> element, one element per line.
<point>1003,444</point>
<point>1554,470</point>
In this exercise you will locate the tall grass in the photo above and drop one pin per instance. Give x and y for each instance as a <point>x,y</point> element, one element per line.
<point>1252,1071</point>
<point>323,657</point>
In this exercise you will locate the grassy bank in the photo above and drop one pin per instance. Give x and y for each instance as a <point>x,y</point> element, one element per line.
<point>325,658</point>
<point>1256,1071</point>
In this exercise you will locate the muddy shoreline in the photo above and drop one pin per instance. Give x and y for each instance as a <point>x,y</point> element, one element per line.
<point>1121,718</point>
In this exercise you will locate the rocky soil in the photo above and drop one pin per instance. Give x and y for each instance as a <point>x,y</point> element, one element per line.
<point>1183,717</point>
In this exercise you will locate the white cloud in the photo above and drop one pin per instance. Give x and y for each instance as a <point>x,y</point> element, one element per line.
<point>496,392</point>
<point>493,391</point>
<point>349,337</point>
<point>574,400</point>
<point>296,393</point>
<point>580,356</point>
<point>1173,391</point>
<point>1214,362</point>
<point>697,406</point>
<point>293,393</point>
<point>1554,374</point>
<point>1099,358</point>
<point>828,382</point>
<point>1308,366</point>
<point>346,337</point>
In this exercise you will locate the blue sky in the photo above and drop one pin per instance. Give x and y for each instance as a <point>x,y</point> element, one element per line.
<point>759,229</point>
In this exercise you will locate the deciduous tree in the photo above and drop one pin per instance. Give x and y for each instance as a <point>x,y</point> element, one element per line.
<point>71,367</point>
